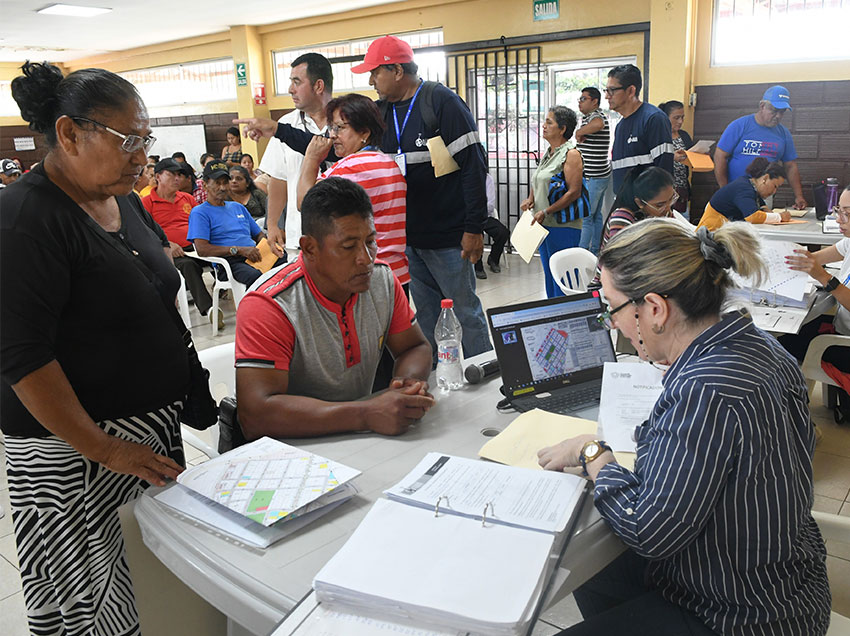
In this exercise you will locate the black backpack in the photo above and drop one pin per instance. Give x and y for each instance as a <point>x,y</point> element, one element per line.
<point>429,117</point>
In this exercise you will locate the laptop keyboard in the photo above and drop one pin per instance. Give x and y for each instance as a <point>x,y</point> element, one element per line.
<point>562,402</point>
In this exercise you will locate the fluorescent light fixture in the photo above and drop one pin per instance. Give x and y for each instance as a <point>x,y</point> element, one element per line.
<point>72,10</point>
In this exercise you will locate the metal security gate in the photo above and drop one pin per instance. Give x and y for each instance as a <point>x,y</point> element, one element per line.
<point>505,90</point>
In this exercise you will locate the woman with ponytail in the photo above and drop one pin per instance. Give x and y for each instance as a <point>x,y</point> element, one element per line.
<point>94,367</point>
<point>717,510</point>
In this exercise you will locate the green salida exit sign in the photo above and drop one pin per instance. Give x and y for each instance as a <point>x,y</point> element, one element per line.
<point>546,9</point>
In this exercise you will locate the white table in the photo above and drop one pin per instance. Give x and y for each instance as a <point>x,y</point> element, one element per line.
<point>808,233</point>
<point>255,589</point>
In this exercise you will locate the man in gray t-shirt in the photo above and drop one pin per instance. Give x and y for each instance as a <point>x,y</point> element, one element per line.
<point>594,143</point>
<point>309,337</point>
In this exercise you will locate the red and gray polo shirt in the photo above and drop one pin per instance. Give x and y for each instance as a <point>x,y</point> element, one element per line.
<point>331,351</point>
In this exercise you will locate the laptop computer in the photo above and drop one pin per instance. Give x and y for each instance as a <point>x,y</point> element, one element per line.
<point>551,353</point>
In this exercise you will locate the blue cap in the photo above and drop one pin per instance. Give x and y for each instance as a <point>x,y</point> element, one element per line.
<point>778,96</point>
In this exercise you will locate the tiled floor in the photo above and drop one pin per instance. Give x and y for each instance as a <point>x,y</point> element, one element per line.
<point>516,283</point>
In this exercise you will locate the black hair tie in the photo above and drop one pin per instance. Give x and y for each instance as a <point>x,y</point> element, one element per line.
<point>712,250</point>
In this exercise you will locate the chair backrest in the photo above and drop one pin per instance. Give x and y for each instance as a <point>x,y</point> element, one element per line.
<point>218,361</point>
<point>572,269</point>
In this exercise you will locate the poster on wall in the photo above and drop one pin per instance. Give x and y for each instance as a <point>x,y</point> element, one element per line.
<point>241,74</point>
<point>260,94</point>
<point>24,143</point>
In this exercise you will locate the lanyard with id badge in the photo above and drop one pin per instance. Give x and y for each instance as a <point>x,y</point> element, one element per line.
<point>399,156</point>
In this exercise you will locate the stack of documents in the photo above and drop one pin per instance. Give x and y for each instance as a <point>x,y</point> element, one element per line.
<point>460,544</point>
<point>784,286</point>
<point>249,492</point>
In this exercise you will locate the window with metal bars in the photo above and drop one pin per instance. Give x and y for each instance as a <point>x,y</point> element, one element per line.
<point>344,55</point>
<point>748,32</point>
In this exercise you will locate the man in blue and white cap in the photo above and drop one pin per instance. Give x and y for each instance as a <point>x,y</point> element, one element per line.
<point>760,135</point>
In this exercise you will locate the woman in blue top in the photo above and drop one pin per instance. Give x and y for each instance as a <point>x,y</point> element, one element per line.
<point>717,511</point>
<point>743,199</point>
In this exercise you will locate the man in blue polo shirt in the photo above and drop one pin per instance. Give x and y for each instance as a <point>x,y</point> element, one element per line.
<point>760,135</point>
<point>225,228</point>
<point>643,137</point>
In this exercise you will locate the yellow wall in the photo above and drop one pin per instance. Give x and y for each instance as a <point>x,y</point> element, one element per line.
<point>680,53</point>
<point>705,74</point>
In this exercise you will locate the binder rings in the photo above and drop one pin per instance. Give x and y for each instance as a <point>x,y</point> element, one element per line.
<point>474,558</point>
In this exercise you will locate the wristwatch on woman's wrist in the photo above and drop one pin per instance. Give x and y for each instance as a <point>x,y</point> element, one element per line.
<point>590,451</point>
<point>832,284</point>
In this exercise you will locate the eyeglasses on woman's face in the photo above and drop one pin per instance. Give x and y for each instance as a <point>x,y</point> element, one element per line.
<point>662,206</point>
<point>131,143</point>
<point>842,212</point>
<point>335,128</point>
<point>605,318</point>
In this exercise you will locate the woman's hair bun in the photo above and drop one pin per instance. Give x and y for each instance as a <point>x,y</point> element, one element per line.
<point>36,94</point>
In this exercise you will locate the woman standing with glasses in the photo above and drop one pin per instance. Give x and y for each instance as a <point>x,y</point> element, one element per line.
<point>561,156</point>
<point>94,366</point>
<point>646,192</point>
<point>355,128</point>
<point>675,111</point>
<point>717,511</point>
<point>839,288</point>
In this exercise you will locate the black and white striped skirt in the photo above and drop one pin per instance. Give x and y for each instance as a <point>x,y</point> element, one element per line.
<point>64,506</point>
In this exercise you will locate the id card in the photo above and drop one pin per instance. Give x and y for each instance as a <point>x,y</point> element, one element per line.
<point>401,162</point>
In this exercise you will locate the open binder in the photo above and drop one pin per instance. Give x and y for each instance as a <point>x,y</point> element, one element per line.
<point>474,558</point>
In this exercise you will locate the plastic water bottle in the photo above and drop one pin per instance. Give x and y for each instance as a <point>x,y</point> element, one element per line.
<point>448,335</point>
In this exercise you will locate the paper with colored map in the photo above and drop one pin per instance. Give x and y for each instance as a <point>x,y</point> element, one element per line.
<point>266,480</point>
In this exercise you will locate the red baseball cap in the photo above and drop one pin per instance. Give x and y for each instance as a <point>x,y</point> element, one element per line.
<point>386,50</point>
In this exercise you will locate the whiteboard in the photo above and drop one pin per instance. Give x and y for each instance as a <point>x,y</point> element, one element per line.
<point>189,139</point>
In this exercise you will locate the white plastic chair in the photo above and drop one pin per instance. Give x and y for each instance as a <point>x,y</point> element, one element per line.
<point>835,528</point>
<point>812,369</point>
<point>572,269</point>
<point>237,288</point>
<point>183,302</point>
<point>219,362</point>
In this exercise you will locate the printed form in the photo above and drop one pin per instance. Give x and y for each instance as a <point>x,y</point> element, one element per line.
<point>629,391</point>
<point>539,500</point>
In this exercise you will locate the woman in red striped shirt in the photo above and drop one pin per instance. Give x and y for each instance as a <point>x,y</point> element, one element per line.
<point>355,127</point>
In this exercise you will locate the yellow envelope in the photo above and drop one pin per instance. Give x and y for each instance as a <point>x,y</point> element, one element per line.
<point>269,257</point>
<point>518,444</point>
<point>699,162</point>
<point>441,160</point>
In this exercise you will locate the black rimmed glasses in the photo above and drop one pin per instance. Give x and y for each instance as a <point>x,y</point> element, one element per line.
<point>610,90</point>
<point>605,319</point>
<point>131,143</point>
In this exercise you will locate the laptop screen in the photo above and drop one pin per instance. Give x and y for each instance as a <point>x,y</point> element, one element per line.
<point>547,344</point>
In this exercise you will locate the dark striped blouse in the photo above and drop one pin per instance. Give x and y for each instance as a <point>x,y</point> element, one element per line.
<point>721,496</point>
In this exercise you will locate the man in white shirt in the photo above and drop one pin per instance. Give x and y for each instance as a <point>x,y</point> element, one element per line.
<point>311,88</point>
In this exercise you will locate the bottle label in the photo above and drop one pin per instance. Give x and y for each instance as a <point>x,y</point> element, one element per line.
<point>448,353</point>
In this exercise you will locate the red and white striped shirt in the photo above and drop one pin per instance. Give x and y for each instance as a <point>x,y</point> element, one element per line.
<point>380,176</point>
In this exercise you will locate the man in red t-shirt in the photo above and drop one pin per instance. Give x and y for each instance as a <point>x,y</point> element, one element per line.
<point>309,337</point>
<point>170,208</point>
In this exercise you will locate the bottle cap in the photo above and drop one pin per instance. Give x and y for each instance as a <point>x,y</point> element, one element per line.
<point>446,303</point>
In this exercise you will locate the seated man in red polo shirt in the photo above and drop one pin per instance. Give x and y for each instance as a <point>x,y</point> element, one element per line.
<point>309,339</point>
<point>170,208</point>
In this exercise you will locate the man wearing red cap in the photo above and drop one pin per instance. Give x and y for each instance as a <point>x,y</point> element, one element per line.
<point>445,214</point>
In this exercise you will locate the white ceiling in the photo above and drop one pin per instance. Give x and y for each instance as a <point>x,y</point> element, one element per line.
<point>25,34</point>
